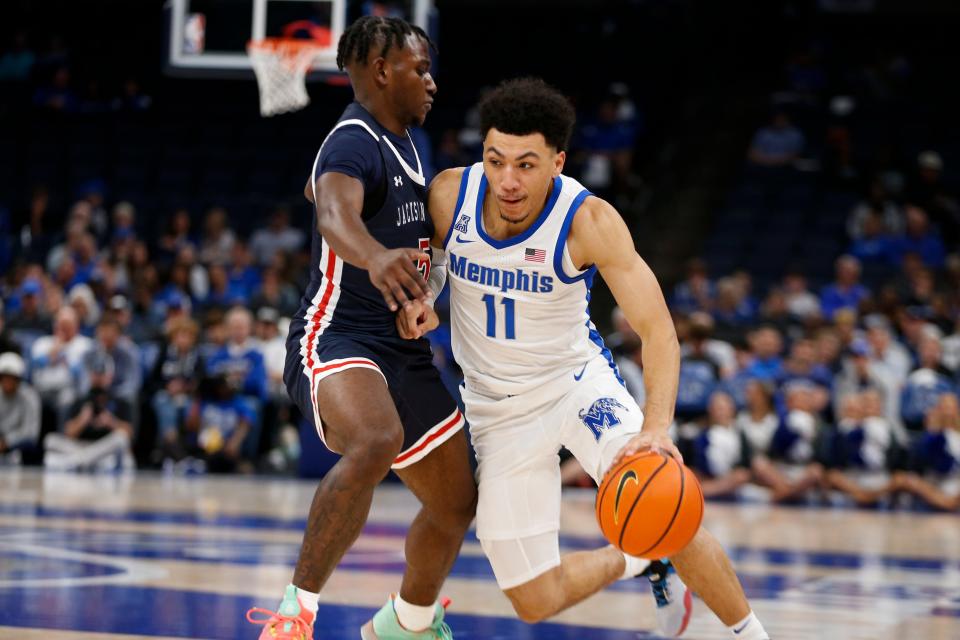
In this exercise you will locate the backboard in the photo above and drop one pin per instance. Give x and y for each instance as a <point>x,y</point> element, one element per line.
<point>208,38</point>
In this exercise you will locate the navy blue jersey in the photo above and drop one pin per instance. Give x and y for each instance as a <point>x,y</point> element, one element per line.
<point>340,297</point>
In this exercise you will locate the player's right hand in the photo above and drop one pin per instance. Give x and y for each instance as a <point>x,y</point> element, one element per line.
<point>394,273</point>
<point>416,319</point>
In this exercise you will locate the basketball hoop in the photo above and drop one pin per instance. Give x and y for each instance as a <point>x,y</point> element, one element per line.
<point>281,65</point>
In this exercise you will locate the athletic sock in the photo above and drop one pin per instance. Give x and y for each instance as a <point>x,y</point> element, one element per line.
<point>309,600</point>
<point>413,617</point>
<point>633,566</point>
<point>749,629</point>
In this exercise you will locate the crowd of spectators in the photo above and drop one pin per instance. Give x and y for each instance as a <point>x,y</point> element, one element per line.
<point>121,347</point>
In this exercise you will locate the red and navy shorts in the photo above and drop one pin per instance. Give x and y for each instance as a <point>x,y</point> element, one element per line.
<point>428,414</point>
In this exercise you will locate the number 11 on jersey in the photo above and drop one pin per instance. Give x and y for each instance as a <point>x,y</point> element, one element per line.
<point>508,318</point>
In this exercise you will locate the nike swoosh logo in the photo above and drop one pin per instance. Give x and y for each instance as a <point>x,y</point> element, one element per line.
<point>745,625</point>
<point>460,239</point>
<point>626,477</point>
<point>577,376</point>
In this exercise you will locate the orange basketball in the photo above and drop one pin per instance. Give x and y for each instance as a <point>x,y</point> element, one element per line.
<point>649,506</point>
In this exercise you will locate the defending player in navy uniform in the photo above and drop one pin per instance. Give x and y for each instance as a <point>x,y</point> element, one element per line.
<point>374,397</point>
<point>524,243</point>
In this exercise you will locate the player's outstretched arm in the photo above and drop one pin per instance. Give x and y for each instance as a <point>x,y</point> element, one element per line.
<point>415,320</point>
<point>338,200</point>
<point>599,236</point>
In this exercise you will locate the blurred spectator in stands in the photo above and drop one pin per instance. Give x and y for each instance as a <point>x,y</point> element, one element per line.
<point>701,326</point>
<point>93,193</point>
<point>845,292</point>
<point>81,298</point>
<point>276,293</point>
<point>19,410</point>
<point>777,144</point>
<point>864,449</point>
<point>605,141</point>
<point>240,359</point>
<point>873,245</point>
<point>733,309</point>
<point>919,238</point>
<point>218,239</point>
<point>176,237</point>
<point>75,231</point>
<point>278,236</point>
<point>928,191</point>
<point>915,327</point>
<point>36,228</point>
<point>124,218</point>
<point>99,429</point>
<point>951,350</point>
<point>722,454</point>
<point>801,302</point>
<point>243,275</point>
<point>125,355</point>
<point>57,94</point>
<point>697,292</point>
<point>935,459</point>
<point>774,312</point>
<point>164,309</point>
<point>798,440</point>
<point>699,370</point>
<point>173,381</point>
<point>31,315</point>
<point>859,373</point>
<point>216,427</point>
<point>56,361</point>
<point>925,384</point>
<point>272,348</point>
<point>758,420</point>
<point>17,62</point>
<point>802,365</point>
<point>7,342</point>
<point>845,326</point>
<point>630,364</point>
<point>132,97</point>
<point>766,343</point>
<point>222,294</point>
<point>880,206</point>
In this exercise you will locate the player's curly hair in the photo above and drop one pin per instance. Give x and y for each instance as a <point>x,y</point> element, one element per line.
<point>528,105</point>
<point>372,31</point>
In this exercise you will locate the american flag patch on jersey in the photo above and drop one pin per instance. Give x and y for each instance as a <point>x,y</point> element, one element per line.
<point>534,255</point>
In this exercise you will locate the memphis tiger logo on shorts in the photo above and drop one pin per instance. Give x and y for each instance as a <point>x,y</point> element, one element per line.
<point>601,415</point>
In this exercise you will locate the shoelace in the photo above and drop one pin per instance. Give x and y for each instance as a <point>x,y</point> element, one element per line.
<point>661,591</point>
<point>299,628</point>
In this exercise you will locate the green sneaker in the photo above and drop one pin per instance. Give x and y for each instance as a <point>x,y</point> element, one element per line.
<point>385,626</point>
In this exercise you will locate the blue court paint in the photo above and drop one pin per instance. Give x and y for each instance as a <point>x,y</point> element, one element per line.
<point>148,611</point>
<point>25,566</point>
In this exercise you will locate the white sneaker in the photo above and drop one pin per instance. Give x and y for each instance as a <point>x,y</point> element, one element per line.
<point>674,599</point>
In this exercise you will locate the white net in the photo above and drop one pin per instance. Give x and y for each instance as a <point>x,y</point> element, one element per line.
<point>281,67</point>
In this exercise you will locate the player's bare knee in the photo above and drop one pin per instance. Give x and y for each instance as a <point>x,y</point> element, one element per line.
<point>374,451</point>
<point>530,606</point>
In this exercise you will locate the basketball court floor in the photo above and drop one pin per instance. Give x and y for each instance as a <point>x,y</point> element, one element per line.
<point>147,556</point>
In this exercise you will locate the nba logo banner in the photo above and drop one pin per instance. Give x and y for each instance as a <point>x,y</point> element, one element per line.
<point>194,33</point>
<point>534,255</point>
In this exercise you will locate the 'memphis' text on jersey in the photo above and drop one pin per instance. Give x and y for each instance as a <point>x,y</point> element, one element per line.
<point>414,211</point>
<point>504,279</point>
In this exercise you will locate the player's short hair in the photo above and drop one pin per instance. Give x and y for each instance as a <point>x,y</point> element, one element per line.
<point>369,32</point>
<point>523,106</point>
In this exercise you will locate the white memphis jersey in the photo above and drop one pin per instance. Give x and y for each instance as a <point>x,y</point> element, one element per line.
<point>519,314</point>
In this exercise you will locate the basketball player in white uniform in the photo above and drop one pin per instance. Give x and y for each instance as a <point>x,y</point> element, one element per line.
<point>523,244</point>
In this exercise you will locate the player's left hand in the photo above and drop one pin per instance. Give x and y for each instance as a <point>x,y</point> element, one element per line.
<point>415,319</point>
<point>657,441</point>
